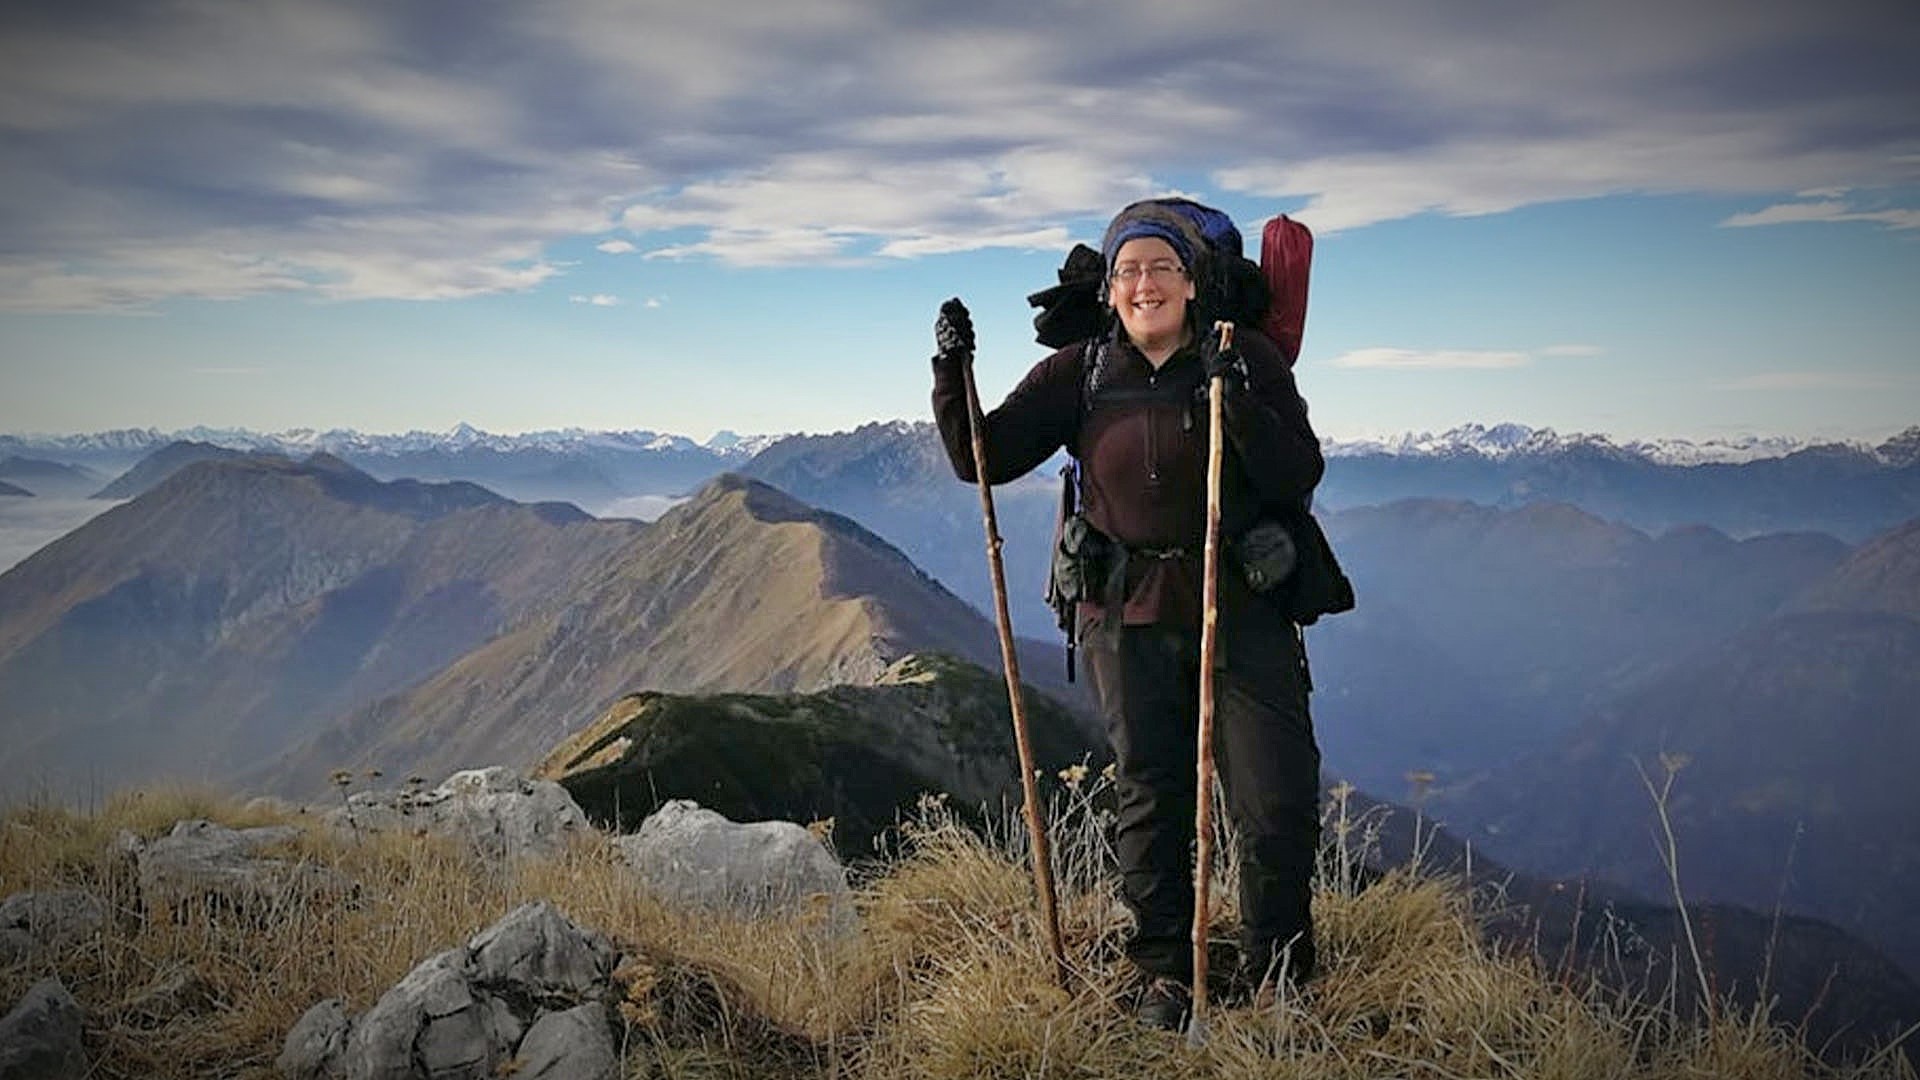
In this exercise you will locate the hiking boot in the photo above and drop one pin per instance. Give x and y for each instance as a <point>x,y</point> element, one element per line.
<point>1164,1004</point>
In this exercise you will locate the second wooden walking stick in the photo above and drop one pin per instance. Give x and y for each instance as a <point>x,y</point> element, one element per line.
<point>1203,756</point>
<point>1029,787</point>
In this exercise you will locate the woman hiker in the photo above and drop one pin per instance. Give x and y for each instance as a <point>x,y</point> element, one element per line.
<point>1130,405</point>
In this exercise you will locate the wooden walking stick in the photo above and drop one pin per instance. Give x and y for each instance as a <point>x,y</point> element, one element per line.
<point>1029,787</point>
<point>1203,758</point>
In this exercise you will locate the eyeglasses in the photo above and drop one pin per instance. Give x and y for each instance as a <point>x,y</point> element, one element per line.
<point>1160,270</point>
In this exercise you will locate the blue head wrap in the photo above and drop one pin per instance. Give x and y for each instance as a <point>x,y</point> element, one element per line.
<point>1150,218</point>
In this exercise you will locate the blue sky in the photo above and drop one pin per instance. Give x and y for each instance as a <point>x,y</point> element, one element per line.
<point>1642,219</point>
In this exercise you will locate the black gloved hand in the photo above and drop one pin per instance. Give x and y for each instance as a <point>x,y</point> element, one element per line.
<point>1227,362</point>
<point>953,331</point>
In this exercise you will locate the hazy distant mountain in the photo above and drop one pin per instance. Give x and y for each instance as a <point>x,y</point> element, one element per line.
<point>740,588</point>
<point>1747,489</point>
<point>134,443</point>
<point>1519,440</point>
<point>1482,632</point>
<point>590,468</point>
<point>49,478</point>
<point>1794,741</point>
<point>1743,486</point>
<point>156,467</point>
<point>860,754</point>
<point>229,610</point>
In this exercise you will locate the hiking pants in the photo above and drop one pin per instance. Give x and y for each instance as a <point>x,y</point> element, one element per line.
<point>1146,679</point>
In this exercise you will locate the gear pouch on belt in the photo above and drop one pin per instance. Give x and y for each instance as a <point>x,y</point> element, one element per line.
<point>1266,554</point>
<point>1079,563</point>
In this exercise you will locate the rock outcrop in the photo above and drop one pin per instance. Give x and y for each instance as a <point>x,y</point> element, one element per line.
<point>531,996</point>
<point>48,921</point>
<point>860,755</point>
<point>691,857</point>
<point>496,811</point>
<point>230,870</point>
<point>40,1039</point>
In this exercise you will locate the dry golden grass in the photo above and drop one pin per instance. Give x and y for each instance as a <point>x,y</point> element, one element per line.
<point>946,977</point>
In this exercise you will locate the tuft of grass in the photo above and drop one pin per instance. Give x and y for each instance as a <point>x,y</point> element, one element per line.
<point>946,977</point>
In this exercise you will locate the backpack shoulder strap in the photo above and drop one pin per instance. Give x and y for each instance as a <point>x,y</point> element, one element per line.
<point>1093,354</point>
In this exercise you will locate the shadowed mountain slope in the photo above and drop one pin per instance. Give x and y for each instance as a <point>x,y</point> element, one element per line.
<point>741,588</point>
<point>1484,632</point>
<point>1793,743</point>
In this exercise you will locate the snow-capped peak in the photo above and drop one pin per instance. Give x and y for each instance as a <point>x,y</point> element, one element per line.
<point>1508,440</point>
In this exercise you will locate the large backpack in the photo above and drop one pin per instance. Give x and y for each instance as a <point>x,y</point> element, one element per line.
<point>1270,297</point>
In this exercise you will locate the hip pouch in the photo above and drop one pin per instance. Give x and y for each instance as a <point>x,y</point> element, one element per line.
<point>1080,564</point>
<point>1266,555</point>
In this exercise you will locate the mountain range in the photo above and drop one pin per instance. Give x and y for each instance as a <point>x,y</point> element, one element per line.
<point>259,617</point>
<point>1743,486</point>
<point>593,469</point>
<point>1483,440</point>
<point>741,588</point>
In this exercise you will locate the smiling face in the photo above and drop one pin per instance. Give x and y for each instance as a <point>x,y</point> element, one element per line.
<point>1149,290</point>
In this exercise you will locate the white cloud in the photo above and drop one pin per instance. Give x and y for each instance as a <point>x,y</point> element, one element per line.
<point>654,302</point>
<point>1429,360</point>
<point>1055,239</point>
<point>596,300</point>
<point>1826,210</point>
<point>316,146</point>
<point>764,247</point>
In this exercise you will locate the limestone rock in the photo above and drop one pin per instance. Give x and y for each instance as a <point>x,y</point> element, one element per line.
<point>316,1047</point>
<point>573,1045</point>
<point>539,951</point>
<point>201,862</point>
<point>692,857</point>
<point>498,812</point>
<point>48,921</point>
<point>534,989</point>
<point>41,1038</point>
<point>428,1024</point>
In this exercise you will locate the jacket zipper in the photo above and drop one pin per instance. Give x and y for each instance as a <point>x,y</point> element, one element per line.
<point>1153,457</point>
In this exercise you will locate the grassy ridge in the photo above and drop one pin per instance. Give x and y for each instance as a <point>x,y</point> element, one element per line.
<point>947,977</point>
